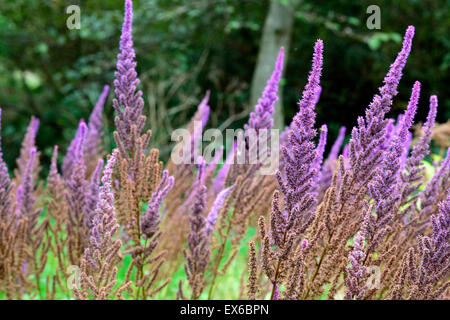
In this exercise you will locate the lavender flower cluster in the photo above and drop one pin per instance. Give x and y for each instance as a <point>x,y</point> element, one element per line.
<point>367,222</point>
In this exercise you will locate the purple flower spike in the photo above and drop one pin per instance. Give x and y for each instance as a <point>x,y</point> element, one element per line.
<point>104,222</point>
<point>356,271</point>
<point>212,216</point>
<point>261,118</point>
<point>95,131</point>
<point>394,75</point>
<point>337,144</point>
<point>28,143</point>
<point>371,137</point>
<point>412,179</point>
<point>128,103</point>
<point>71,155</point>
<point>383,188</point>
<point>151,218</point>
<point>92,194</point>
<point>5,184</point>
<point>299,173</point>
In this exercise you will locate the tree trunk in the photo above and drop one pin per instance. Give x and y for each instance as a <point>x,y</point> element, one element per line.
<point>276,33</point>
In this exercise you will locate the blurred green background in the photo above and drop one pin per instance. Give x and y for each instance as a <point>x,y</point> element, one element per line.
<point>187,47</point>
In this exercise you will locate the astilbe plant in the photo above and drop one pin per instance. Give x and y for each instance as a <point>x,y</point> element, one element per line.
<point>135,229</point>
<point>98,263</point>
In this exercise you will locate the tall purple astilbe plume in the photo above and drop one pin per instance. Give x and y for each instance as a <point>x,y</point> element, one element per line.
<point>5,184</point>
<point>198,253</point>
<point>368,138</point>
<point>356,272</point>
<point>412,178</point>
<point>28,143</point>
<point>219,180</point>
<point>95,131</point>
<point>76,196</point>
<point>406,148</point>
<point>128,103</point>
<point>383,188</point>
<point>334,152</point>
<point>298,174</point>
<point>69,159</point>
<point>102,254</point>
<point>214,212</point>
<point>430,196</point>
<point>53,175</point>
<point>201,117</point>
<point>441,237</point>
<point>261,118</point>
<point>150,220</point>
<point>26,198</point>
<point>296,177</point>
<point>92,193</point>
<point>284,137</point>
<point>205,109</point>
<point>101,244</point>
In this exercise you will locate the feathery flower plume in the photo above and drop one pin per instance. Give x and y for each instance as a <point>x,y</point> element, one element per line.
<point>334,152</point>
<point>296,178</point>
<point>198,253</point>
<point>383,187</point>
<point>356,271</point>
<point>5,184</point>
<point>150,219</point>
<point>214,212</point>
<point>28,143</point>
<point>25,195</point>
<point>100,259</point>
<point>70,158</point>
<point>95,127</point>
<point>432,193</point>
<point>299,172</point>
<point>92,191</point>
<point>365,146</point>
<point>76,185</point>
<point>412,178</point>
<point>252,286</point>
<point>128,102</point>
<point>261,118</point>
<point>427,264</point>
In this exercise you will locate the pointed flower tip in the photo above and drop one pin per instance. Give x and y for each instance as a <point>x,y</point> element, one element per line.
<point>83,126</point>
<point>281,54</point>
<point>434,100</point>
<point>128,17</point>
<point>319,44</point>
<point>409,35</point>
